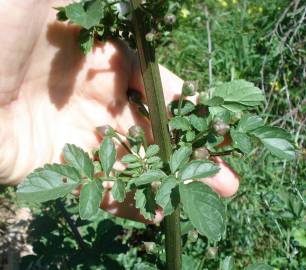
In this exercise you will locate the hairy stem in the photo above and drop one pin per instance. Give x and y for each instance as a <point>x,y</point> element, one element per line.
<point>159,121</point>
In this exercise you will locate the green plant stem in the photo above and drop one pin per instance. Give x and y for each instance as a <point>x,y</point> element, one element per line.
<point>159,121</point>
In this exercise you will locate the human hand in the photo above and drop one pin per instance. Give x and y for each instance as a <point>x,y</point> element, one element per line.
<point>50,94</point>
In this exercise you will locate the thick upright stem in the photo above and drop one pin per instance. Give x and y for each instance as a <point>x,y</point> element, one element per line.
<point>158,116</point>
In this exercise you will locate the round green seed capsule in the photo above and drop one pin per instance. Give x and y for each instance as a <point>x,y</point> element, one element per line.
<point>105,130</point>
<point>189,88</point>
<point>201,153</point>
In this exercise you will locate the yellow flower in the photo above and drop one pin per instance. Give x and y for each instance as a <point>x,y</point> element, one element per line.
<point>235,1</point>
<point>185,12</point>
<point>260,9</point>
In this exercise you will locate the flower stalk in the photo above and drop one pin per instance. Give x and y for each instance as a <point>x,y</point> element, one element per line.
<point>159,121</point>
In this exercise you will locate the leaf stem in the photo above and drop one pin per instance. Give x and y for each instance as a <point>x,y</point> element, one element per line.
<point>159,121</point>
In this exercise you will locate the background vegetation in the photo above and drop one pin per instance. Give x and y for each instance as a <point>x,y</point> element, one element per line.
<point>260,41</point>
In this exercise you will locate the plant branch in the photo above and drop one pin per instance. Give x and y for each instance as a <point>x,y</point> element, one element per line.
<point>159,121</point>
<point>74,229</point>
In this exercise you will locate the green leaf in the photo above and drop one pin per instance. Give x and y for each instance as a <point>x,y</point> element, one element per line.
<point>49,183</point>
<point>199,123</point>
<point>215,101</point>
<point>190,136</point>
<point>144,266</point>
<point>238,95</point>
<point>149,177</point>
<point>180,123</point>
<point>249,123</point>
<point>129,158</point>
<point>118,190</point>
<point>198,169</point>
<point>299,235</point>
<point>164,196</point>
<point>188,262</point>
<point>87,19</point>
<point>228,263</point>
<point>277,141</point>
<point>204,209</point>
<point>86,40</point>
<point>179,158</point>
<point>107,154</point>
<point>259,266</point>
<point>153,160</point>
<point>144,201</point>
<point>241,141</point>
<point>152,150</point>
<point>90,199</point>
<point>187,107</point>
<point>79,159</point>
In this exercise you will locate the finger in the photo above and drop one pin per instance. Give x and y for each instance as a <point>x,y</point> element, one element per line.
<point>225,182</point>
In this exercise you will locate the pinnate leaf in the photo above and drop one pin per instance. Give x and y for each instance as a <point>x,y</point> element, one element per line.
<point>180,123</point>
<point>164,195</point>
<point>85,18</point>
<point>152,150</point>
<point>179,158</point>
<point>204,209</point>
<point>90,199</point>
<point>144,201</point>
<point>118,190</point>
<point>241,141</point>
<point>277,141</point>
<point>149,177</point>
<point>249,123</point>
<point>238,95</point>
<point>49,183</point>
<point>129,158</point>
<point>198,169</point>
<point>79,159</point>
<point>107,155</point>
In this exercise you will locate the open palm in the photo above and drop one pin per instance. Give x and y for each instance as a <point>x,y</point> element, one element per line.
<point>51,94</point>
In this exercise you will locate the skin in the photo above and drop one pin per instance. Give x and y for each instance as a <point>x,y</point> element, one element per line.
<point>51,94</point>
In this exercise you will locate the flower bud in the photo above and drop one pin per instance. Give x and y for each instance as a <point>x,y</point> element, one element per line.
<point>105,130</point>
<point>201,153</point>
<point>150,247</point>
<point>170,19</point>
<point>150,37</point>
<point>136,131</point>
<point>193,236</point>
<point>221,128</point>
<point>189,88</point>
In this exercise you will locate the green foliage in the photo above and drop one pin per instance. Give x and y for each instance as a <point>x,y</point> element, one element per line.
<point>90,199</point>
<point>198,169</point>
<point>259,266</point>
<point>107,154</point>
<point>179,158</point>
<point>238,95</point>
<point>118,190</point>
<point>265,218</point>
<point>78,159</point>
<point>204,209</point>
<point>165,197</point>
<point>277,141</point>
<point>48,183</point>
